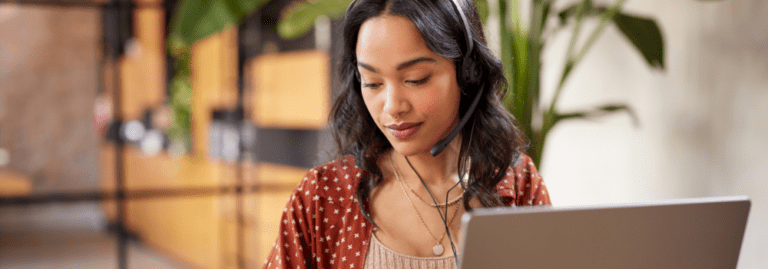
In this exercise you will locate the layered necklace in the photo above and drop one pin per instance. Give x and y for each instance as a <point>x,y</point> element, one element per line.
<point>438,249</point>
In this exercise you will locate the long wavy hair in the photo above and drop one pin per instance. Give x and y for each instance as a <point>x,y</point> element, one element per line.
<point>490,138</point>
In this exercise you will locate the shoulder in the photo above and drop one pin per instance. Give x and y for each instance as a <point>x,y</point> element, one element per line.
<point>524,169</point>
<point>340,171</point>
<point>335,180</point>
<point>523,184</point>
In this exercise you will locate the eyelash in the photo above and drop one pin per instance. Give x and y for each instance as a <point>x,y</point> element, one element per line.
<point>370,85</point>
<point>420,81</point>
<point>412,82</point>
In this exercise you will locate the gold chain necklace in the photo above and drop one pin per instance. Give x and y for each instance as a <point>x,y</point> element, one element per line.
<point>451,202</point>
<point>438,248</point>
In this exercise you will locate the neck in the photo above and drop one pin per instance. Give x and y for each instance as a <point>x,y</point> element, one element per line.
<point>434,170</point>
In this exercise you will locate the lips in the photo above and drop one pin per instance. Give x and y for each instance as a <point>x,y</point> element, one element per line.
<point>404,130</point>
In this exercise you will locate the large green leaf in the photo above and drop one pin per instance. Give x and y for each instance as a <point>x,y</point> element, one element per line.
<point>300,17</point>
<point>194,20</point>
<point>644,33</point>
<point>600,111</point>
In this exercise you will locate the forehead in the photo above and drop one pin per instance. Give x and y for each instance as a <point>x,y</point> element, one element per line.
<point>387,40</point>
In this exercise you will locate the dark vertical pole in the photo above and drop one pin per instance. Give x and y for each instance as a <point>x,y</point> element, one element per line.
<point>248,36</point>
<point>117,31</point>
<point>119,154</point>
<point>120,181</point>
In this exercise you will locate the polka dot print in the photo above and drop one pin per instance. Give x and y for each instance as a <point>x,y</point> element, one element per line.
<point>322,225</point>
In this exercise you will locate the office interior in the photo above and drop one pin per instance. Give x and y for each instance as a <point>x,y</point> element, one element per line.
<point>91,178</point>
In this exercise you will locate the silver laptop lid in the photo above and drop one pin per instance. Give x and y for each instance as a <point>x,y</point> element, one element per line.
<point>684,233</point>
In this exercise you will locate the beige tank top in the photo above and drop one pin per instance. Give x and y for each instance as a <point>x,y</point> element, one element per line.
<point>380,256</point>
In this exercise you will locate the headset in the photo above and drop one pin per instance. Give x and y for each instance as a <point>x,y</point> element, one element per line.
<point>468,74</point>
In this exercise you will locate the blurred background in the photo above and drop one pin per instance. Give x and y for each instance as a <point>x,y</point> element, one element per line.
<point>169,134</point>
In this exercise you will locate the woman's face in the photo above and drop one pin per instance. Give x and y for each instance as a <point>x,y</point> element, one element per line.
<point>410,91</point>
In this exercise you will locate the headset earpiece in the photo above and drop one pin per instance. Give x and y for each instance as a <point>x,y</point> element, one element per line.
<point>471,72</point>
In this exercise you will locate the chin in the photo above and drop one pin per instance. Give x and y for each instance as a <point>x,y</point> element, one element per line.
<point>410,148</point>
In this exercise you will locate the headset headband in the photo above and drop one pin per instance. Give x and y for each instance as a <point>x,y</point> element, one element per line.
<point>462,17</point>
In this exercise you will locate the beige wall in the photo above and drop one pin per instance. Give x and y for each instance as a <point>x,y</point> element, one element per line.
<point>704,121</point>
<point>48,82</point>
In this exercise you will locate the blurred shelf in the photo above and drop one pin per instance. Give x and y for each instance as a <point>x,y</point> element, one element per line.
<point>14,183</point>
<point>201,230</point>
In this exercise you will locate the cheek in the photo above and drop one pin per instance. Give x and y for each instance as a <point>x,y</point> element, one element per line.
<point>431,104</point>
<point>370,105</point>
<point>445,101</point>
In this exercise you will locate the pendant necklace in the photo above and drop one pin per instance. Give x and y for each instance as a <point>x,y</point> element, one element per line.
<point>438,249</point>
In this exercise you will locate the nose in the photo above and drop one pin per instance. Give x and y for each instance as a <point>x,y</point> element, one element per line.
<point>395,101</point>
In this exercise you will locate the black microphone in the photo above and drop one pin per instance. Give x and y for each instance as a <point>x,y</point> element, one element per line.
<point>442,144</point>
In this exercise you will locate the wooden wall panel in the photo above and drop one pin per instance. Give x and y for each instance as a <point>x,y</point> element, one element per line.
<point>214,80</point>
<point>269,209</point>
<point>266,207</point>
<point>202,231</point>
<point>185,227</point>
<point>142,69</point>
<point>291,90</point>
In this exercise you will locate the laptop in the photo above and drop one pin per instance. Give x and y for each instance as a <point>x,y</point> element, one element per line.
<point>683,233</point>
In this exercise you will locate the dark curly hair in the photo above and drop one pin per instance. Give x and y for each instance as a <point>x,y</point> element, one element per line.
<point>490,138</point>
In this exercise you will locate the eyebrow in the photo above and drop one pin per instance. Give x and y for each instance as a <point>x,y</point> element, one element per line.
<point>401,66</point>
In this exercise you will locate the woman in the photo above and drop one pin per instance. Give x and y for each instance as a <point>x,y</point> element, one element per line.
<point>388,201</point>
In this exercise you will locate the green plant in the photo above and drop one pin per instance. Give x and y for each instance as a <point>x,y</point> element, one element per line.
<point>521,52</point>
<point>192,21</point>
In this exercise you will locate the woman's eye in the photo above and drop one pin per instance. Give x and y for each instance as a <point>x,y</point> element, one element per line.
<point>418,82</point>
<point>371,85</point>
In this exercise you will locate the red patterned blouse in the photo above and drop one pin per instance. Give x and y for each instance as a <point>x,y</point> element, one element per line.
<point>322,225</point>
